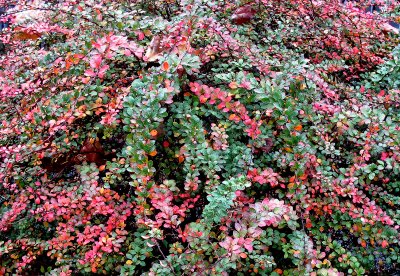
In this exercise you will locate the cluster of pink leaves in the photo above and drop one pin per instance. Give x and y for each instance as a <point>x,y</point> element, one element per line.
<point>65,209</point>
<point>219,137</point>
<point>167,214</point>
<point>225,103</point>
<point>17,207</point>
<point>107,47</point>
<point>267,176</point>
<point>271,212</point>
<point>236,245</point>
<point>249,221</point>
<point>336,194</point>
<point>350,36</point>
<point>227,45</point>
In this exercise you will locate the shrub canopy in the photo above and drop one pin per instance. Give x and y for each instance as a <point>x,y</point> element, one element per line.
<point>199,137</point>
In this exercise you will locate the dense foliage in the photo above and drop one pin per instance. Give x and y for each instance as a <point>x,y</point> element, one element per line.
<point>198,137</point>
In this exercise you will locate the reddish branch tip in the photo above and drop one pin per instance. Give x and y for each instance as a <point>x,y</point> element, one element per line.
<point>243,15</point>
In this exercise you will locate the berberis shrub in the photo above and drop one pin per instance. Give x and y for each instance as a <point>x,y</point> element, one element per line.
<point>199,137</point>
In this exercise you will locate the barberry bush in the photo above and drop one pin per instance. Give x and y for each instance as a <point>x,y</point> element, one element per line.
<point>198,137</point>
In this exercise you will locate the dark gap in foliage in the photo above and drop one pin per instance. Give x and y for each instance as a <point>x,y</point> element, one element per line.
<point>196,212</point>
<point>40,264</point>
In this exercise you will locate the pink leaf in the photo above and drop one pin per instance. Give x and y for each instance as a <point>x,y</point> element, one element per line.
<point>95,61</point>
<point>90,73</point>
<point>127,53</point>
<point>236,249</point>
<point>103,70</point>
<point>384,155</point>
<point>248,245</point>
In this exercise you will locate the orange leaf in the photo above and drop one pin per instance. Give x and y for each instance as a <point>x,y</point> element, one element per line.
<point>234,117</point>
<point>372,241</point>
<point>67,64</point>
<point>153,153</point>
<point>287,149</point>
<point>153,133</point>
<point>243,255</point>
<point>181,158</point>
<point>233,85</point>
<point>85,80</point>
<point>203,99</point>
<point>24,35</point>
<point>298,127</point>
<point>79,56</point>
<point>165,66</point>
<point>303,177</point>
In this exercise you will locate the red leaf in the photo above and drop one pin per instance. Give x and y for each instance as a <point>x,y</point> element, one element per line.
<point>385,244</point>
<point>165,66</point>
<point>308,223</point>
<point>165,144</point>
<point>243,14</point>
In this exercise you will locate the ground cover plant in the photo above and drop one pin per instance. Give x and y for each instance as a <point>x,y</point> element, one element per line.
<point>198,137</point>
